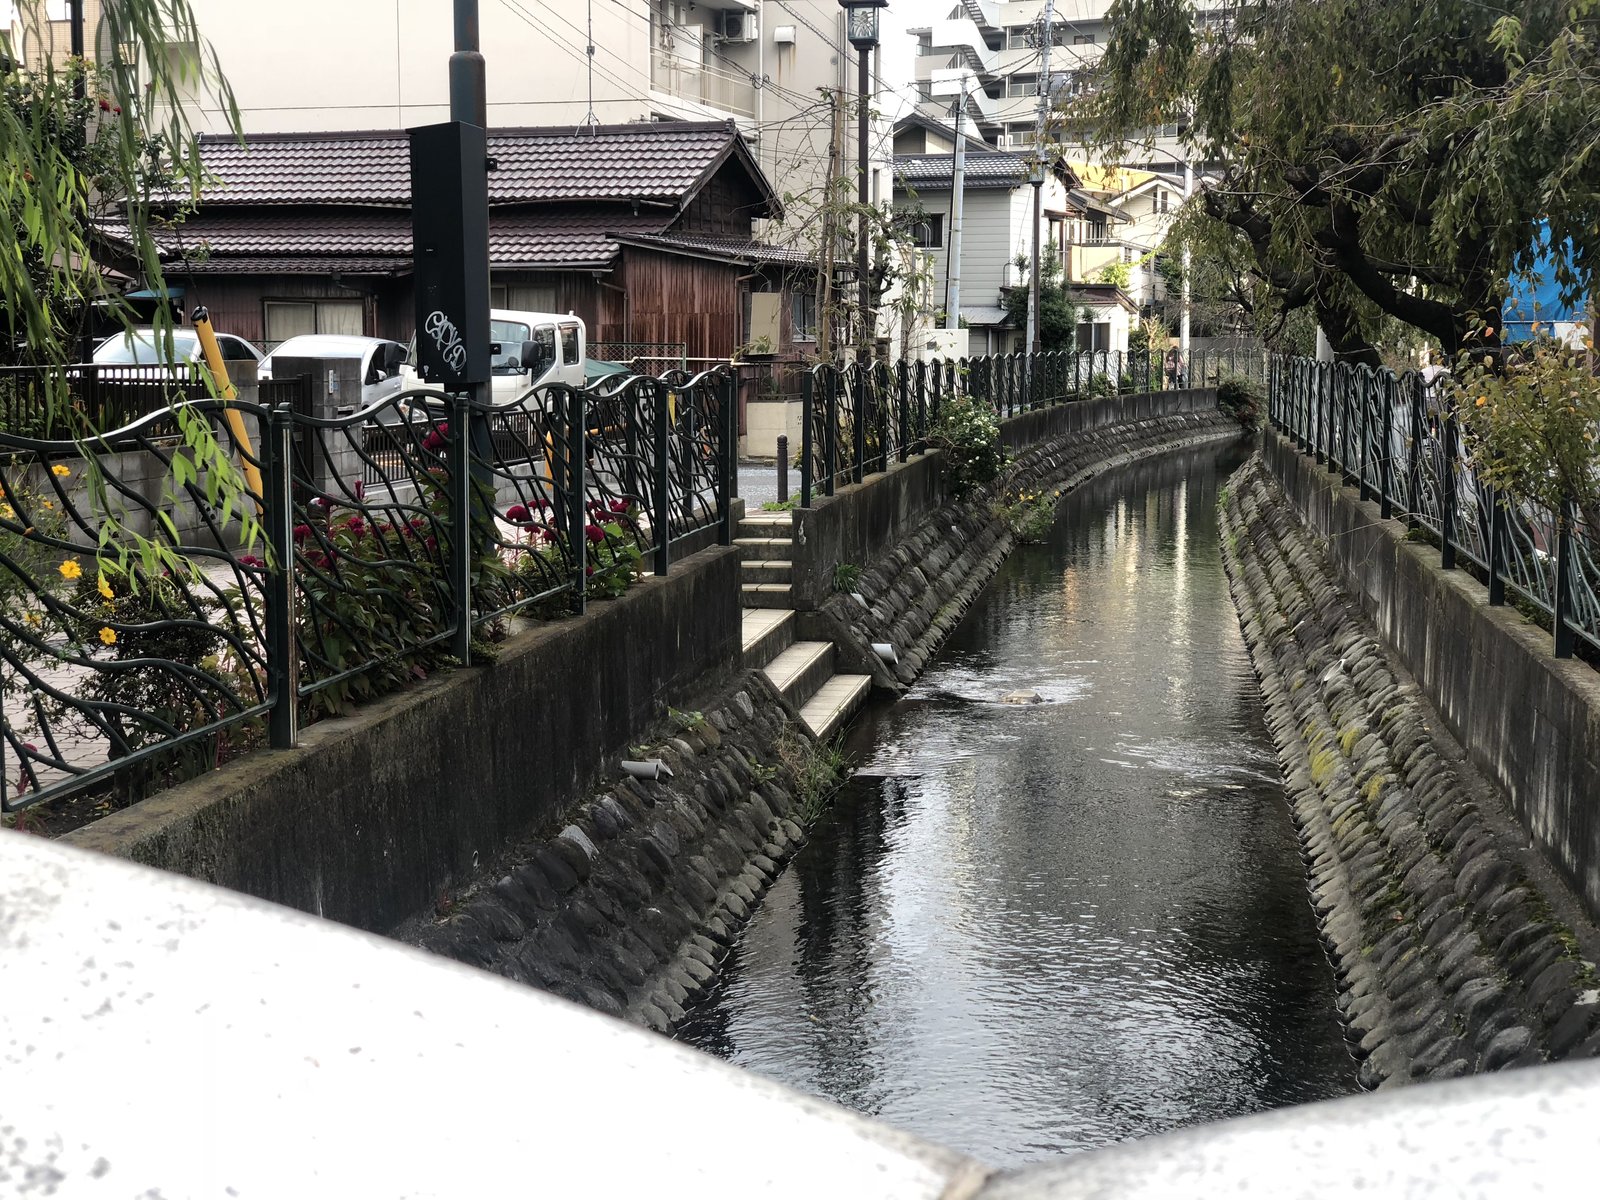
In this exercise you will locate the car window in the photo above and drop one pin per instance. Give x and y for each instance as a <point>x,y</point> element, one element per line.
<point>144,348</point>
<point>509,335</point>
<point>234,350</point>
<point>570,353</point>
<point>545,337</point>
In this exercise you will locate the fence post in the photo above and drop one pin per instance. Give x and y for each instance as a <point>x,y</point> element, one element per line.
<point>577,516</point>
<point>282,657</point>
<point>460,510</point>
<point>661,517</point>
<point>1563,599</point>
<point>1385,458</point>
<point>858,455</point>
<point>1363,383</point>
<point>1447,500</point>
<point>922,402</point>
<point>807,392</point>
<point>1497,533</point>
<point>727,456</point>
<point>830,435</point>
<point>902,372</point>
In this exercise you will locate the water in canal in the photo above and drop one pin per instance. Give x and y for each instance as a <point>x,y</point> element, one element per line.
<point>1027,931</point>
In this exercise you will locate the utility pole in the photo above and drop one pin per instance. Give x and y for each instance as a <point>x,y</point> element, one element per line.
<point>958,179</point>
<point>830,234</point>
<point>1183,320</point>
<point>1036,173</point>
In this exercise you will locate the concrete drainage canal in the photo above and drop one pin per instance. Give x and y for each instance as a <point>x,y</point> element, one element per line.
<point>1032,929</point>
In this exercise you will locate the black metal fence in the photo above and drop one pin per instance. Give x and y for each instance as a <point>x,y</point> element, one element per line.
<point>67,402</point>
<point>389,540</point>
<point>1401,442</point>
<point>858,419</point>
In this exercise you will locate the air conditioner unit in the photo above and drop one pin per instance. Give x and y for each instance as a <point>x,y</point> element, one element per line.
<point>737,26</point>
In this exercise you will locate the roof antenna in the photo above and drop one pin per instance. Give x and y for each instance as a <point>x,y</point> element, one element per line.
<point>590,121</point>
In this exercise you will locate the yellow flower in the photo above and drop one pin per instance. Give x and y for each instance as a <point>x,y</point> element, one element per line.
<point>1482,400</point>
<point>61,470</point>
<point>108,635</point>
<point>70,569</point>
<point>49,503</point>
<point>7,511</point>
<point>34,619</point>
<point>105,588</point>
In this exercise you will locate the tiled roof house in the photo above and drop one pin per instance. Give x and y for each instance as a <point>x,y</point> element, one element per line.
<point>642,230</point>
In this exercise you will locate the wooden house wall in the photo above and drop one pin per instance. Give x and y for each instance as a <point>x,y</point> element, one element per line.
<point>674,298</point>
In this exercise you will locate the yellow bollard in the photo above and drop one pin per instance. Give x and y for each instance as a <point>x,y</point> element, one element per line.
<point>219,371</point>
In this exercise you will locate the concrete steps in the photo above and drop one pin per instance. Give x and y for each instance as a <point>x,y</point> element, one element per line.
<point>835,703</point>
<point>803,672</point>
<point>768,632</point>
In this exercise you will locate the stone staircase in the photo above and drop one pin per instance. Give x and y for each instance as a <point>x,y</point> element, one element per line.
<point>803,672</point>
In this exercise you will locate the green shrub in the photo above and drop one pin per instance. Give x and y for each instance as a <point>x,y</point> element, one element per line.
<point>969,434</point>
<point>1241,399</point>
<point>1100,387</point>
<point>846,576</point>
<point>1031,516</point>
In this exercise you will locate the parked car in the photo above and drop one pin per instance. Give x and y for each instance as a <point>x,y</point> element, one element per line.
<point>144,347</point>
<point>382,361</point>
<point>527,349</point>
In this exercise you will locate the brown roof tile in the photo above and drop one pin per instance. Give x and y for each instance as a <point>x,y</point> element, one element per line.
<point>657,163</point>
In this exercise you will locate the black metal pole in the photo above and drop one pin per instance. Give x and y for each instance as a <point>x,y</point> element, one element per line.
<point>864,65</point>
<point>468,90</point>
<point>808,390</point>
<point>282,659</point>
<point>661,512</point>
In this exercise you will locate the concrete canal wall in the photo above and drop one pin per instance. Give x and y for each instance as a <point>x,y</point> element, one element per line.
<point>1457,948</point>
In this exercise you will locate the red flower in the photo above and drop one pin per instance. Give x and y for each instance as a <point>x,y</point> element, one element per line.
<point>318,559</point>
<point>619,506</point>
<point>302,532</point>
<point>436,437</point>
<point>541,504</point>
<point>517,512</point>
<point>251,561</point>
<point>587,571</point>
<point>431,542</point>
<point>359,488</point>
<point>105,105</point>
<point>356,526</point>
<point>322,502</point>
<point>594,533</point>
<point>117,109</point>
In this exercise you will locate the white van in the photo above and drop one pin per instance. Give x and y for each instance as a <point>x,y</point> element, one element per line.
<point>528,349</point>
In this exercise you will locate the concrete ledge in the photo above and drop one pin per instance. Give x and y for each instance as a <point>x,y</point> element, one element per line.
<point>373,817</point>
<point>1020,432</point>
<point>1529,721</point>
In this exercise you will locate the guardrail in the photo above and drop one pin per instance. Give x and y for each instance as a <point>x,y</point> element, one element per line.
<point>1400,441</point>
<point>393,537</point>
<point>859,418</point>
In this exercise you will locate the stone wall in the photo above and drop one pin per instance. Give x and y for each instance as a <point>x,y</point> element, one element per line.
<point>630,907</point>
<point>1457,950</point>
<point>1530,721</point>
<point>373,817</point>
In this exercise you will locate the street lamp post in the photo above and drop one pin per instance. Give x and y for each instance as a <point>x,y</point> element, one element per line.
<point>861,27</point>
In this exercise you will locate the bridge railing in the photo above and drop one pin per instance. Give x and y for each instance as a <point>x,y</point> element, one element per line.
<point>1399,439</point>
<point>860,418</point>
<point>377,546</point>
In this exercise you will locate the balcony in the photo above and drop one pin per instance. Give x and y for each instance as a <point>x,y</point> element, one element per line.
<point>678,71</point>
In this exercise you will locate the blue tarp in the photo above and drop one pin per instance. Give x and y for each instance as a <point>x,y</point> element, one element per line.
<point>1535,296</point>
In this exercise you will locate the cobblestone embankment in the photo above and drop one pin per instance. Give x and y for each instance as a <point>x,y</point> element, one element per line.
<point>1457,951</point>
<point>916,593</point>
<point>630,907</point>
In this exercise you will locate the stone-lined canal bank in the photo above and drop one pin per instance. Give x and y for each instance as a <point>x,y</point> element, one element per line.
<point>1457,949</point>
<point>1031,929</point>
<point>629,901</point>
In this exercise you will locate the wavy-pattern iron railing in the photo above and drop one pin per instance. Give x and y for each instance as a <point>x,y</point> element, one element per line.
<point>389,538</point>
<point>857,420</point>
<point>1399,440</point>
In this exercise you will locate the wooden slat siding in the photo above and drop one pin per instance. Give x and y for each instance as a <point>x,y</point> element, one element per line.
<point>725,206</point>
<point>676,298</point>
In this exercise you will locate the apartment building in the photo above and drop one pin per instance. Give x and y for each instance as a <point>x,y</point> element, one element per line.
<point>311,66</point>
<point>40,31</point>
<point>985,57</point>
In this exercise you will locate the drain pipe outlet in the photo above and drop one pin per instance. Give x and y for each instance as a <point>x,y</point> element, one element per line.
<point>886,652</point>
<point>859,598</point>
<point>652,768</point>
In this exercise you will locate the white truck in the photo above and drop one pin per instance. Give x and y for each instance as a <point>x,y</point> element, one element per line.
<point>526,349</point>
